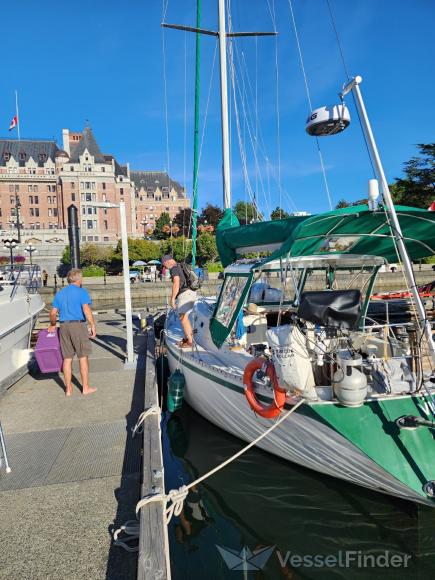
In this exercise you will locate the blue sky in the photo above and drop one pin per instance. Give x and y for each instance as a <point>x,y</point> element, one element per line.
<point>103,61</point>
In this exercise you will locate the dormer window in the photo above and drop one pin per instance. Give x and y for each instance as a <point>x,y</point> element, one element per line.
<point>42,157</point>
<point>22,156</point>
<point>6,156</point>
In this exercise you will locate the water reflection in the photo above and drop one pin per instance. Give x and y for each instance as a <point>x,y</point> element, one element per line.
<point>261,501</point>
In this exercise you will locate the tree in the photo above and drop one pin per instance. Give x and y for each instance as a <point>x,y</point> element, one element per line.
<point>343,203</point>
<point>211,214</point>
<point>138,249</point>
<point>278,214</point>
<point>90,255</point>
<point>206,248</point>
<point>180,248</point>
<point>417,188</point>
<point>161,222</point>
<point>183,220</point>
<point>247,212</point>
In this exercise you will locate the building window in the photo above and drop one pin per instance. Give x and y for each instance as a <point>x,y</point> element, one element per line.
<point>6,156</point>
<point>106,239</point>
<point>31,199</point>
<point>121,191</point>
<point>73,185</point>
<point>36,211</point>
<point>88,196</point>
<point>37,226</point>
<point>82,185</point>
<point>89,224</point>
<point>94,197</point>
<point>71,168</point>
<point>105,211</point>
<point>105,224</point>
<point>103,169</point>
<point>11,187</point>
<point>22,156</point>
<point>95,224</point>
<point>11,199</point>
<point>29,188</point>
<point>42,157</point>
<point>50,212</point>
<point>90,210</point>
<point>84,227</point>
<point>83,210</point>
<point>48,198</point>
<point>32,170</point>
<point>73,196</point>
<point>36,199</point>
<point>103,185</point>
<point>35,188</point>
<point>93,185</point>
<point>55,212</point>
<point>104,197</point>
<point>32,212</point>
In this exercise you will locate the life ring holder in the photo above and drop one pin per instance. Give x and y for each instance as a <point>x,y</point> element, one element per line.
<point>274,409</point>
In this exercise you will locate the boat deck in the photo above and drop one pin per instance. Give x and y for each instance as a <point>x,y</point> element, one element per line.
<point>75,474</point>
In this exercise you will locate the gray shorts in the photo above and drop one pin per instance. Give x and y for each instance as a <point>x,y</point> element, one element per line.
<point>74,339</point>
<point>185,301</point>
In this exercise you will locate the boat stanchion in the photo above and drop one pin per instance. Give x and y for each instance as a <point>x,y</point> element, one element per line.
<point>3,450</point>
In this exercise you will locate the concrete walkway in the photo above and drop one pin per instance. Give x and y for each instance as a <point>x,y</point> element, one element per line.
<point>75,469</point>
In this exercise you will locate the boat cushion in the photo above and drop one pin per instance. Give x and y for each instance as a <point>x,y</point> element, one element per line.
<point>332,308</point>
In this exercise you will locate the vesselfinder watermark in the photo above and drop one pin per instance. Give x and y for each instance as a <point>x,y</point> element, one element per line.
<point>247,559</point>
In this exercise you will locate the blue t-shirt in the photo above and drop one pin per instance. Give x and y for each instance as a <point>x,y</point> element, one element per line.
<point>69,301</point>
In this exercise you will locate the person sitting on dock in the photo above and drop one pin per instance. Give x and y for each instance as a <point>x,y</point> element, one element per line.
<point>182,298</point>
<point>73,304</point>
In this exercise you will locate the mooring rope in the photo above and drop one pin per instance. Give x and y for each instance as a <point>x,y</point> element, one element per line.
<point>177,496</point>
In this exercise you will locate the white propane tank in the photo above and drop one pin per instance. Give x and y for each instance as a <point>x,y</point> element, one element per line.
<point>328,120</point>
<point>349,382</point>
<point>373,194</point>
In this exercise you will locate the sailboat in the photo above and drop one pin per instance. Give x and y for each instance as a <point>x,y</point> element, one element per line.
<point>292,326</point>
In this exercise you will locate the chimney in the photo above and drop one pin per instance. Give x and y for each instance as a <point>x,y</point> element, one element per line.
<point>65,139</point>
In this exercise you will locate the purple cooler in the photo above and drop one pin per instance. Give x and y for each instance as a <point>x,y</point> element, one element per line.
<point>47,351</point>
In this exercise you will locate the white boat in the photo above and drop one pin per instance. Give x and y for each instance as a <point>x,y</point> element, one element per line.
<point>368,412</point>
<point>20,305</point>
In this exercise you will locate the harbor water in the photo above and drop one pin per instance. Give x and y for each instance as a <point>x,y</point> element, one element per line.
<point>263,518</point>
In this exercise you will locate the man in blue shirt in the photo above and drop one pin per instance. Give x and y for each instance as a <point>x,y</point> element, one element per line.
<point>73,305</point>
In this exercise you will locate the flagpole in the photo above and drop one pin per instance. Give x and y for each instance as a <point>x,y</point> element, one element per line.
<point>18,116</point>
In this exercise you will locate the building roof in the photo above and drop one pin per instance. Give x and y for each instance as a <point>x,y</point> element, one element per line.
<point>86,142</point>
<point>155,179</point>
<point>32,148</point>
<point>119,169</point>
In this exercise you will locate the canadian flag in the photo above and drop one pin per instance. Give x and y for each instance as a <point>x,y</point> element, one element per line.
<point>14,123</point>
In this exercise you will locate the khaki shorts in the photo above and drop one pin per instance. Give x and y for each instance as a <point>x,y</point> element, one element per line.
<point>74,339</point>
<point>185,301</point>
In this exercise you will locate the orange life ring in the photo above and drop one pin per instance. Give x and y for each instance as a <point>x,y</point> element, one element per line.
<point>275,408</point>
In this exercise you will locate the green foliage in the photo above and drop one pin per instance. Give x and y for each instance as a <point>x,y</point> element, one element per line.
<point>161,222</point>
<point>206,249</point>
<point>90,254</point>
<point>343,203</point>
<point>417,188</point>
<point>278,213</point>
<point>138,249</point>
<point>183,220</point>
<point>180,248</point>
<point>92,270</point>
<point>246,212</point>
<point>214,266</point>
<point>66,256</point>
<point>428,260</point>
<point>211,214</point>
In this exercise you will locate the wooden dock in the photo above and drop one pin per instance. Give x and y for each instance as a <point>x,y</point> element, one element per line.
<point>153,560</point>
<point>76,470</point>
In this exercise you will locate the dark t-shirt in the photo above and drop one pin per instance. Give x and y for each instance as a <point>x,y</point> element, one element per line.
<point>178,271</point>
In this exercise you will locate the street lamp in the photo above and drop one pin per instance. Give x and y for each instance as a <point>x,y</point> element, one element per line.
<point>30,250</point>
<point>11,244</point>
<point>144,223</point>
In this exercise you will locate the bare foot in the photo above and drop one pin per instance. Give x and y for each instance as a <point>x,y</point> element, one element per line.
<point>68,392</point>
<point>89,390</point>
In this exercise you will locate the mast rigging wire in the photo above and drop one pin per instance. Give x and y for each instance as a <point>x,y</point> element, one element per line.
<point>307,90</point>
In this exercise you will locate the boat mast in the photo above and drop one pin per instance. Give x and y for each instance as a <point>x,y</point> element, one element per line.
<point>395,225</point>
<point>196,133</point>
<point>224,105</point>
